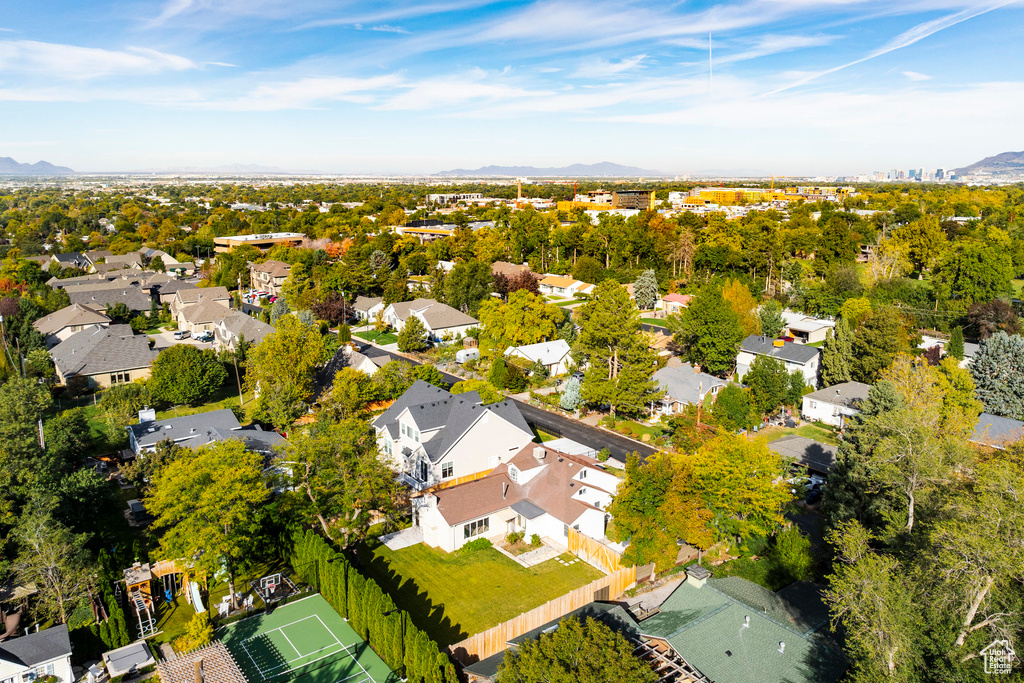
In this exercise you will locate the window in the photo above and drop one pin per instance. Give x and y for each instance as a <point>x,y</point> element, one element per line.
<point>480,526</point>
<point>583,474</point>
<point>513,473</point>
<point>565,530</point>
<point>447,469</point>
<point>119,377</point>
<point>812,404</point>
<point>423,470</point>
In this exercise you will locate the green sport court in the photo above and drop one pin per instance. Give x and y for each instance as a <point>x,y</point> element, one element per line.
<point>304,641</point>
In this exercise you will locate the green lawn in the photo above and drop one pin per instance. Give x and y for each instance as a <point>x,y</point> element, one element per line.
<point>660,322</point>
<point>637,429</point>
<point>379,337</point>
<point>809,431</point>
<point>455,595</point>
<point>225,397</point>
<point>543,436</point>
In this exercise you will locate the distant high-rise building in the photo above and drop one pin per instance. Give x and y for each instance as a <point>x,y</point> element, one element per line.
<point>940,174</point>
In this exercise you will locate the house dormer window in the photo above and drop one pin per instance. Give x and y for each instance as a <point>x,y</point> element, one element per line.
<point>583,474</point>
<point>513,473</point>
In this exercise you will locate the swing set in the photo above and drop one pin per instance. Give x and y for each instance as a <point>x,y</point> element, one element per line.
<point>171,579</point>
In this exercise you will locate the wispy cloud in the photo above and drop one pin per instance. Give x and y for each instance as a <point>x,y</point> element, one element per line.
<point>76,62</point>
<point>595,67</point>
<point>388,28</point>
<point>305,93</point>
<point>905,39</point>
<point>915,76</point>
<point>382,13</point>
<point>772,45</point>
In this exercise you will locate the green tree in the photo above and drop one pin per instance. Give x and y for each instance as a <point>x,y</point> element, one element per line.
<point>743,303</point>
<point>998,372</point>
<point>922,241</point>
<point>68,439</point>
<point>498,374</point>
<point>488,394</point>
<point>198,633</point>
<point>733,409</point>
<point>576,652</point>
<point>185,374</point>
<point>876,343</point>
<point>208,506</point>
<point>770,317</point>
<point>351,392</point>
<point>525,319</point>
<point>709,332</point>
<point>393,378</point>
<point>571,395</point>
<point>54,559</point>
<point>429,374</point>
<point>837,355</point>
<point>973,271</point>
<point>119,407</point>
<point>22,403</point>
<point>157,264</point>
<point>467,285</point>
<point>345,481</point>
<point>620,360</point>
<point>413,335</point>
<point>280,370</point>
<point>119,312</point>
<point>645,290</point>
<point>768,382</point>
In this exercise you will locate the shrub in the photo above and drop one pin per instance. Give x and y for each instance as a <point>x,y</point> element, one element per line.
<point>477,544</point>
<point>515,537</point>
<point>535,540</point>
<point>604,454</point>
<point>198,632</point>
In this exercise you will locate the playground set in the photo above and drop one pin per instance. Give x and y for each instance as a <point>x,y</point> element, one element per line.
<point>171,579</point>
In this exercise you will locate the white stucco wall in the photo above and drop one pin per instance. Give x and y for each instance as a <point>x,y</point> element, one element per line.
<point>829,413</point>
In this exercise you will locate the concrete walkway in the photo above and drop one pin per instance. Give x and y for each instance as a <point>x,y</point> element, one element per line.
<point>403,539</point>
<point>657,594</point>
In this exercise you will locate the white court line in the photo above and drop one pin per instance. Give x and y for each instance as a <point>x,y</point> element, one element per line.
<point>312,616</point>
<point>300,655</point>
<point>328,629</point>
<point>258,670</point>
<point>356,660</point>
<point>305,664</point>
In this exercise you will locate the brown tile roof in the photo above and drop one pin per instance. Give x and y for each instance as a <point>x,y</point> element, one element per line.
<point>508,269</point>
<point>218,666</point>
<point>273,268</point>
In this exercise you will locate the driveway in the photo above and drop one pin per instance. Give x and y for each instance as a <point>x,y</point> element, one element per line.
<point>166,339</point>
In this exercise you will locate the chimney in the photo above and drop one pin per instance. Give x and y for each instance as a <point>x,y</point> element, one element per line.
<point>746,621</point>
<point>539,452</point>
<point>782,647</point>
<point>199,670</point>
<point>147,414</point>
<point>697,575</point>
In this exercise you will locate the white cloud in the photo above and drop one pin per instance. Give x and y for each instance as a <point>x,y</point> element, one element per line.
<point>596,68</point>
<point>914,76</point>
<point>306,93</point>
<point>388,28</point>
<point>75,62</point>
<point>456,90</point>
<point>774,44</point>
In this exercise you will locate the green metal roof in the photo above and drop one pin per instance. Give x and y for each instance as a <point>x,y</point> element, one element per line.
<point>706,626</point>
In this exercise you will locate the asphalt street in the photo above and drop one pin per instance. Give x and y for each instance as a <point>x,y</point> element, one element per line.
<point>559,425</point>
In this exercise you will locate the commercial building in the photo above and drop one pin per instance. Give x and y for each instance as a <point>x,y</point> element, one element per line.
<point>263,241</point>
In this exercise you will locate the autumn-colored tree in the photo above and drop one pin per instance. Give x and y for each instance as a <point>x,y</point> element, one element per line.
<point>743,303</point>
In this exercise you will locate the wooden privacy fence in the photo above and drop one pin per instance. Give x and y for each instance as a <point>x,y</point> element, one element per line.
<point>594,552</point>
<point>495,639</point>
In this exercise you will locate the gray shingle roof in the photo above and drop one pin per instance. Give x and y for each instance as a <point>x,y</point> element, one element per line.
<point>996,431</point>
<point>420,392</point>
<point>179,429</point>
<point>683,384</point>
<point>98,350</point>
<point>438,316</point>
<point>815,455</point>
<point>69,316</point>
<point>847,394</point>
<point>36,648</point>
<point>101,297</point>
<point>789,351</point>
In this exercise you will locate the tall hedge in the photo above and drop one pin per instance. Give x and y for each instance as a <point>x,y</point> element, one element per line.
<point>394,637</point>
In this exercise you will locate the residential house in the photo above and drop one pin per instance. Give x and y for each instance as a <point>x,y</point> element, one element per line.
<point>366,308</point>
<point>538,491</point>
<point>237,325</point>
<point>553,355</point>
<point>59,325</point>
<point>796,357</point>
<point>72,259</point>
<point>269,276</point>
<point>98,255</point>
<point>440,320</point>
<point>509,270</point>
<point>132,259</point>
<point>37,655</point>
<point>171,264</point>
<point>430,435</point>
<point>816,456</point>
<point>165,291</point>
<point>345,357</point>
<point>558,285</point>
<point>997,432</point>
<point>193,308</point>
<point>104,356</point>
<point>806,329</point>
<point>685,385</point>
<point>970,348</point>
<point>673,303</point>
<point>193,431</point>
<point>835,404</point>
<point>731,629</point>
<point>100,295</point>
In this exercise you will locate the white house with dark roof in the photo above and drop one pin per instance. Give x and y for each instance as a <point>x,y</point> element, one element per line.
<point>440,320</point>
<point>367,307</point>
<point>431,436</point>
<point>103,356</point>
<point>193,431</point>
<point>538,491</point>
<point>835,404</point>
<point>796,357</point>
<point>236,325</point>
<point>39,654</point>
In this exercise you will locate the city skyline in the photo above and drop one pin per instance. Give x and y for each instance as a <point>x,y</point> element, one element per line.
<point>827,88</point>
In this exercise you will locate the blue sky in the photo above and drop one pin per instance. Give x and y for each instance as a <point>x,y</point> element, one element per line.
<point>796,86</point>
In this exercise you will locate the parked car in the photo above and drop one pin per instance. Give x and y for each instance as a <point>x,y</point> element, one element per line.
<point>206,336</point>
<point>182,334</point>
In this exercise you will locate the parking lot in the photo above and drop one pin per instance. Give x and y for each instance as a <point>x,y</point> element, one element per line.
<point>166,339</point>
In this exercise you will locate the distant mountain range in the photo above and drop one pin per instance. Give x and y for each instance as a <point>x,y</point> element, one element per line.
<point>229,169</point>
<point>601,170</point>
<point>1005,163</point>
<point>9,166</point>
